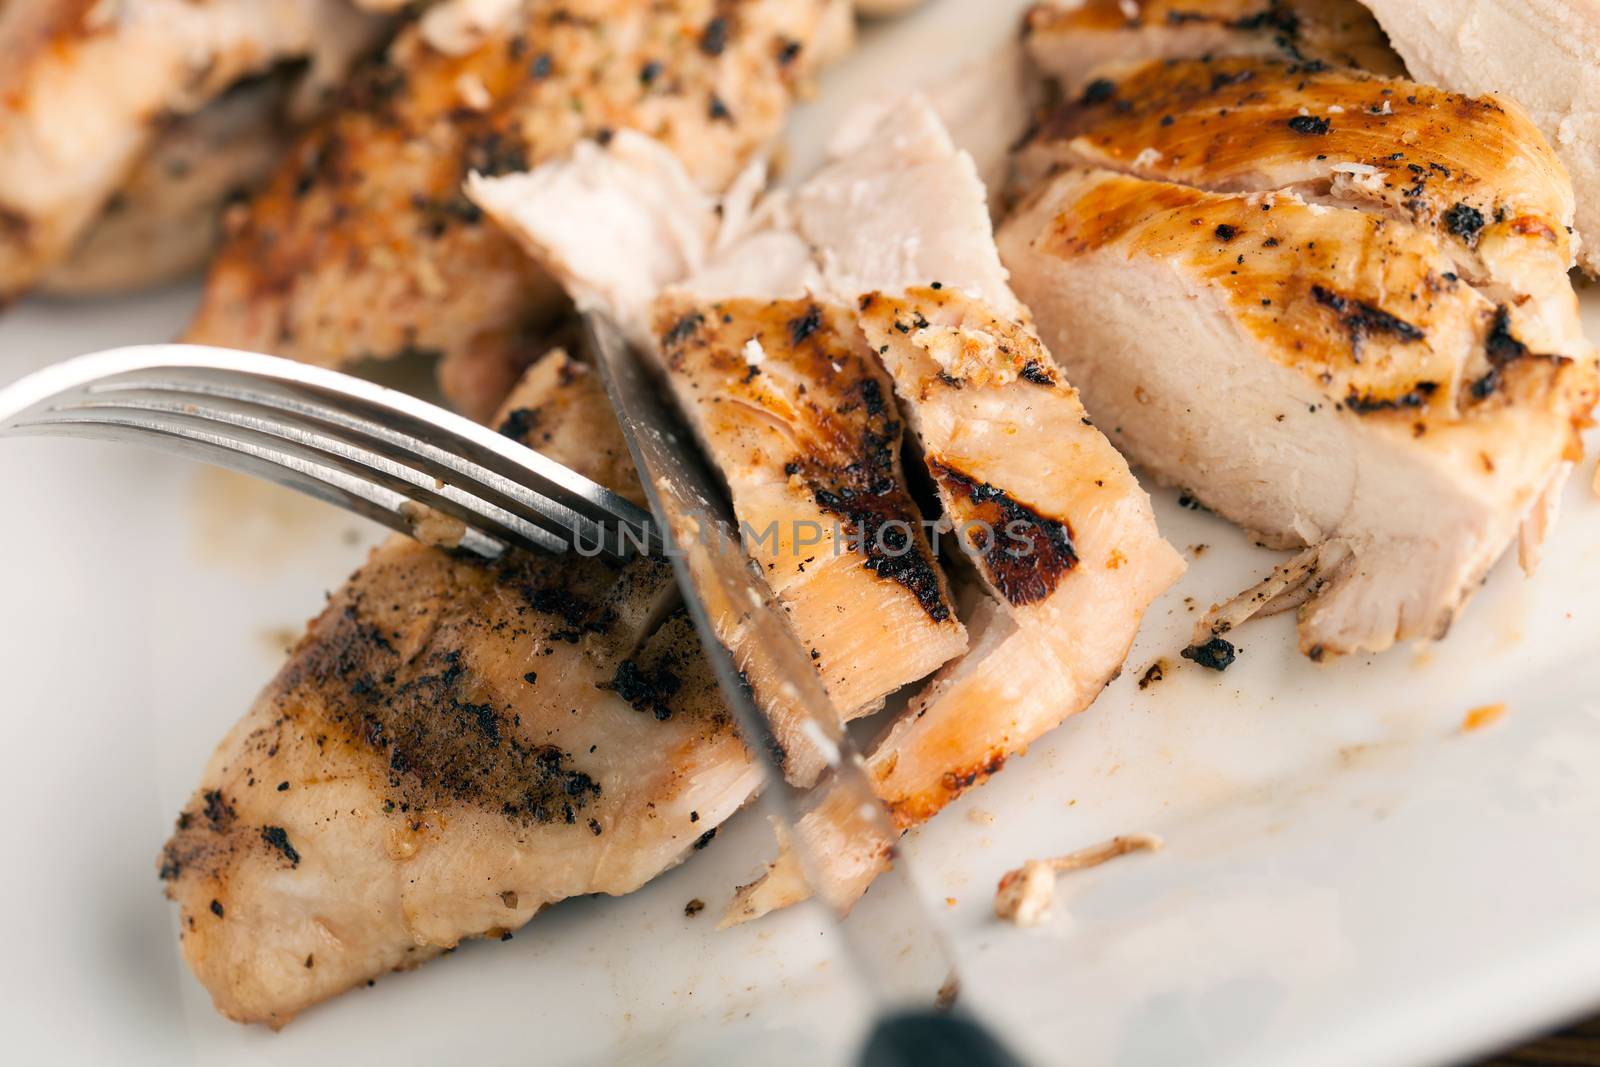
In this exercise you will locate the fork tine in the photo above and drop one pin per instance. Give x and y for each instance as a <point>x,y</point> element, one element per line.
<point>322,481</point>
<point>555,507</point>
<point>269,440</point>
<point>354,452</point>
<point>450,448</point>
<point>455,451</point>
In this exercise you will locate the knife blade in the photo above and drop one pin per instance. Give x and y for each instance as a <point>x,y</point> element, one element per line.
<point>746,634</point>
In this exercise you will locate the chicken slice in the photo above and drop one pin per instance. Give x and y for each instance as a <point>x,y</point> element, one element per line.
<point>1475,171</point>
<point>800,421</point>
<point>1068,39</point>
<point>454,745</point>
<point>1540,53</point>
<point>86,86</point>
<point>1320,376</point>
<point>364,244</point>
<point>163,223</point>
<point>1049,514</point>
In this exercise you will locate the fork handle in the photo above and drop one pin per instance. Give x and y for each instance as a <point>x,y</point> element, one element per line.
<point>934,1039</point>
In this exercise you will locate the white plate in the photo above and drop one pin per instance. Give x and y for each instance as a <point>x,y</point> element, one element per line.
<point>1349,878</point>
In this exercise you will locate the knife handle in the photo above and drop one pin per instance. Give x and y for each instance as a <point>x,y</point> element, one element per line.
<point>934,1039</point>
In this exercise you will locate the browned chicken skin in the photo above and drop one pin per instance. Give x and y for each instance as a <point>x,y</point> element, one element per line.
<point>364,245</point>
<point>453,745</point>
<point>1475,171</point>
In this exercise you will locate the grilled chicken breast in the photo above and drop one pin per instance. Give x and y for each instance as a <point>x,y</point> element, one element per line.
<point>452,746</point>
<point>796,317</point>
<point>87,85</point>
<point>1382,359</point>
<point>163,223</point>
<point>1068,39</point>
<point>364,245</point>
<point>1540,53</point>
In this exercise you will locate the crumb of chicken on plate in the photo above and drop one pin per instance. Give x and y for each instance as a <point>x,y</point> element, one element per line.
<point>1025,895</point>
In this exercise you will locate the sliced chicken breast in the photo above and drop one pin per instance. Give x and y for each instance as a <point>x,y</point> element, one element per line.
<point>1069,39</point>
<point>1060,534</point>
<point>1453,193</point>
<point>1339,386</point>
<point>87,85</point>
<point>1541,53</point>
<point>784,310</point>
<point>452,746</point>
<point>364,244</point>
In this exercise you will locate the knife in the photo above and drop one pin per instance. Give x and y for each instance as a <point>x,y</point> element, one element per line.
<point>746,634</point>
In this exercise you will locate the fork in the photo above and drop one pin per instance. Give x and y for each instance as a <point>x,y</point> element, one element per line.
<point>363,447</point>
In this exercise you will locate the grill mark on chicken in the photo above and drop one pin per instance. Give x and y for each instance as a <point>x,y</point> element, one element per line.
<point>955,782</point>
<point>1362,320</point>
<point>216,810</point>
<point>277,837</point>
<point>803,326</point>
<point>648,687</point>
<point>1310,125</point>
<point>1024,554</point>
<point>1415,397</point>
<point>1036,372</point>
<point>520,424</point>
<point>870,498</point>
<point>1503,350</point>
<point>872,503</point>
<point>1463,221</point>
<point>679,332</point>
<point>1278,19</point>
